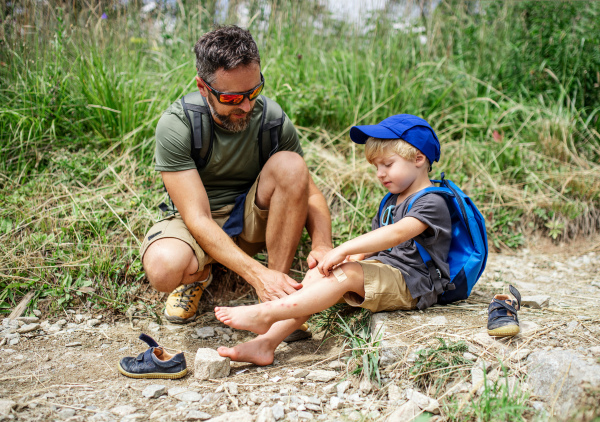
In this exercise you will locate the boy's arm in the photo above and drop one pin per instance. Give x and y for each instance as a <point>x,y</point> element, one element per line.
<point>377,240</point>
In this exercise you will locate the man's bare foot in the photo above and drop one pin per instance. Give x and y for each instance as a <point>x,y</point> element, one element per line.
<point>244,318</point>
<point>257,351</point>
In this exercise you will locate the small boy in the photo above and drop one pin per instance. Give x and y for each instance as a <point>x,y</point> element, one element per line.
<point>402,148</point>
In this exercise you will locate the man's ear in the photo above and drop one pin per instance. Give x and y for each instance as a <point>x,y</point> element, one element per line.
<point>201,87</point>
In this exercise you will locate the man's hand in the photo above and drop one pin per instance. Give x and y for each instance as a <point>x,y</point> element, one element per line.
<point>275,285</point>
<point>355,257</point>
<point>316,255</point>
<point>330,260</point>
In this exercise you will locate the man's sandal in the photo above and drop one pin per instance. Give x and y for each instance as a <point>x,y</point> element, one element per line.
<point>502,315</point>
<point>155,362</point>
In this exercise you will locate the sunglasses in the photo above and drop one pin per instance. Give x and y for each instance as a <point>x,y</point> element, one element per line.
<point>235,98</point>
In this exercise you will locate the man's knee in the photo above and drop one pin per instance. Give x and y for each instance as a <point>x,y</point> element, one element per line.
<point>286,167</point>
<point>164,266</point>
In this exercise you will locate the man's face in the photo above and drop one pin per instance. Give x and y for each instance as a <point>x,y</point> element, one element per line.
<point>235,118</point>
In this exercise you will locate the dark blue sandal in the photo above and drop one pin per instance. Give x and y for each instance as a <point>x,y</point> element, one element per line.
<point>155,362</point>
<point>502,315</point>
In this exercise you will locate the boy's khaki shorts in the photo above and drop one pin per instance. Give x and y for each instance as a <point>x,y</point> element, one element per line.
<point>251,240</point>
<point>385,289</point>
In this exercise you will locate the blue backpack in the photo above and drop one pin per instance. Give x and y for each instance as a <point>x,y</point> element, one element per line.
<point>468,248</point>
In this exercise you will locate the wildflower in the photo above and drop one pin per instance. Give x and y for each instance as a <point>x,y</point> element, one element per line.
<point>103,16</point>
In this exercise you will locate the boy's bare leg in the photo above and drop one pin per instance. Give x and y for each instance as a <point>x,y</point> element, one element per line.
<point>319,293</point>
<point>261,350</point>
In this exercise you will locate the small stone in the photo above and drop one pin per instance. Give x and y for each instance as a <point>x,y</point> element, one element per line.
<point>154,391</point>
<point>571,326</point>
<point>321,375</point>
<point>93,322</point>
<point>226,337</point>
<point>334,403</point>
<point>154,327</point>
<point>424,402</point>
<point>365,386</point>
<point>28,319</point>
<point>28,328</point>
<point>336,365</point>
<point>265,415</point>
<point>232,387</point>
<point>210,365</point>
<point>438,320</point>
<point>74,344</point>
<point>407,412</point>
<point>469,356</point>
<point>519,355</point>
<point>196,415</point>
<point>61,322</point>
<point>595,350</point>
<point>300,373</point>
<point>239,416</point>
<point>278,411</point>
<point>6,406</point>
<point>66,413</point>
<point>14,341</point>
<point>37,313</point>
<point>275,379</point>
<point>123,410</point>
<point>189,397</point>
<point>205,332</point>
<point>536,302</point>
<point>78,318</point>
<point>528,327</point>
<point>305,415</point>
<point>342,387</point>
<point>394,393</point>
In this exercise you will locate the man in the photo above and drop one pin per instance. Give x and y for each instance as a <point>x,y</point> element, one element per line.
<point>280,199</point>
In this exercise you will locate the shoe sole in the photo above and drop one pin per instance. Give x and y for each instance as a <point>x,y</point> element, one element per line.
<point>508,331</point>
<point>160,375</point>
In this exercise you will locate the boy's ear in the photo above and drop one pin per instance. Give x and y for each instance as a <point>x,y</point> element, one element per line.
<point>420,160</point>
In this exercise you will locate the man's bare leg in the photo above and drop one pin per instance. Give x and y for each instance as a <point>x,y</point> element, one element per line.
<point>169,263</point>
<point>261,350</point>
<point>319,293</point>
<point>283,190</point>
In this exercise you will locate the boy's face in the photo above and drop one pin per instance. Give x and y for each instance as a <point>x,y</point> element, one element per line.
<point>397,173</point>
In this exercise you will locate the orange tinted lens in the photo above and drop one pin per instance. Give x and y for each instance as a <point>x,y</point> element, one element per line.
<point>231,99</point>
<point>255,93</point>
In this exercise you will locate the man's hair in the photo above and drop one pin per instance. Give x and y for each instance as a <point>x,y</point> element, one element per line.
<point>225,47</point>
<point>375,148</point>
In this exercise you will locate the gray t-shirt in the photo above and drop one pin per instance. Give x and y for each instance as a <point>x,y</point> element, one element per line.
<point>432,210</point>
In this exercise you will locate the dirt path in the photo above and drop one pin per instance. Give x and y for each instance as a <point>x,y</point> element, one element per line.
<point>66,369</point>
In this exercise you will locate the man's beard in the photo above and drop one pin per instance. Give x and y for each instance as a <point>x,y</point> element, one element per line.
<point>237,125</point>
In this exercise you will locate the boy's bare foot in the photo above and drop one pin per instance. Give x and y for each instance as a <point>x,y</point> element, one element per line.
<point>244,318</point>
<point>257,351</point>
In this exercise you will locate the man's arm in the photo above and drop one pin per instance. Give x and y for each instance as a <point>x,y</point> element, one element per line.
<point>189,196</point>
<point>377,240</point>
<point>318,224</point>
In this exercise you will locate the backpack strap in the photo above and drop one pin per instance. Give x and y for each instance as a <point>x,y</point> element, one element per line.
<point>434,273</point>
<point>270,129</point>
<point>201,123</point>
<point>381,205</point>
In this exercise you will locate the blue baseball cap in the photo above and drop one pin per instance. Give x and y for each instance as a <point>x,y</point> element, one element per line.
<point>412,129</point>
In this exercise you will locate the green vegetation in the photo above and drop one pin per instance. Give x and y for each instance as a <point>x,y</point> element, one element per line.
<point>512,90</point>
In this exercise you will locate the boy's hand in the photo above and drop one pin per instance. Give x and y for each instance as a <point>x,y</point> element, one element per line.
<point>316,255</point>
<point>330,260</point>
<point>355,257</point>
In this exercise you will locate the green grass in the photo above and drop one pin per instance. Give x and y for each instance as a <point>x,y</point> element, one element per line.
<point>513,93</point>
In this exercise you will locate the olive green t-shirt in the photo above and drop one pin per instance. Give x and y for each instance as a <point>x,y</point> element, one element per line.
<point>234,162</point>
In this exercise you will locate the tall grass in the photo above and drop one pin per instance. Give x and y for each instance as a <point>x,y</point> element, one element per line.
<point>512,90</point>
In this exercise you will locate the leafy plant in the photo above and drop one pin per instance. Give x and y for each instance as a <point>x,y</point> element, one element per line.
<point>365,350</point>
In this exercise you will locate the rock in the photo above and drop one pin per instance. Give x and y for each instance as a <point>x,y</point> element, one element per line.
<point>6,406</point>
<point>558,377</point>
<point>278,411</point>
<point>154,391</point>
<point>232,387</point>
<point>61,322</point>
<point>210,365</point>
<point>300,373</point>
<point>469,356</point>
<point>595,350</point>
<point>66,413</point>
<point>305,415</point>
<point>334,403</point>
<point>37,313</point>
<point>394,393</point>
<point>571,326</point>
<point>205,332</point>
<point>102,417</point>
<point>173,391</point>
<point>123,410</point>
<point>239,416</point>
<point>519,355</point>
<point>365,386</point>
<point>28,319</point>
<point>189,396</point>
<point>536,302</point>
<point>424,402</point>
<point>477,372</point>
<point>438,320</point>
<point>407,412</point>
<point>461,387</point>
<point>336,365</point>
<point>528,327</point>
<point>73,344</point>
<point>320,375</point>
<point>93,322</point>
<point>342,387</point>
<point>196,415</point>
<point>265,415</point>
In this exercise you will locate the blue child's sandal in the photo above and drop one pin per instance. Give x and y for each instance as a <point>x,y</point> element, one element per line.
<point>502,315</point>
<point>155,362</point>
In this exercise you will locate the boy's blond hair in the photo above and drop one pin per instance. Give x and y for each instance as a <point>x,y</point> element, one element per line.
<point>376,147</point>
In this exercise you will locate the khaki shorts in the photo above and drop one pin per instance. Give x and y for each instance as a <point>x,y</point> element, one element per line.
<point>385,289</point>
<point>251,240</point>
